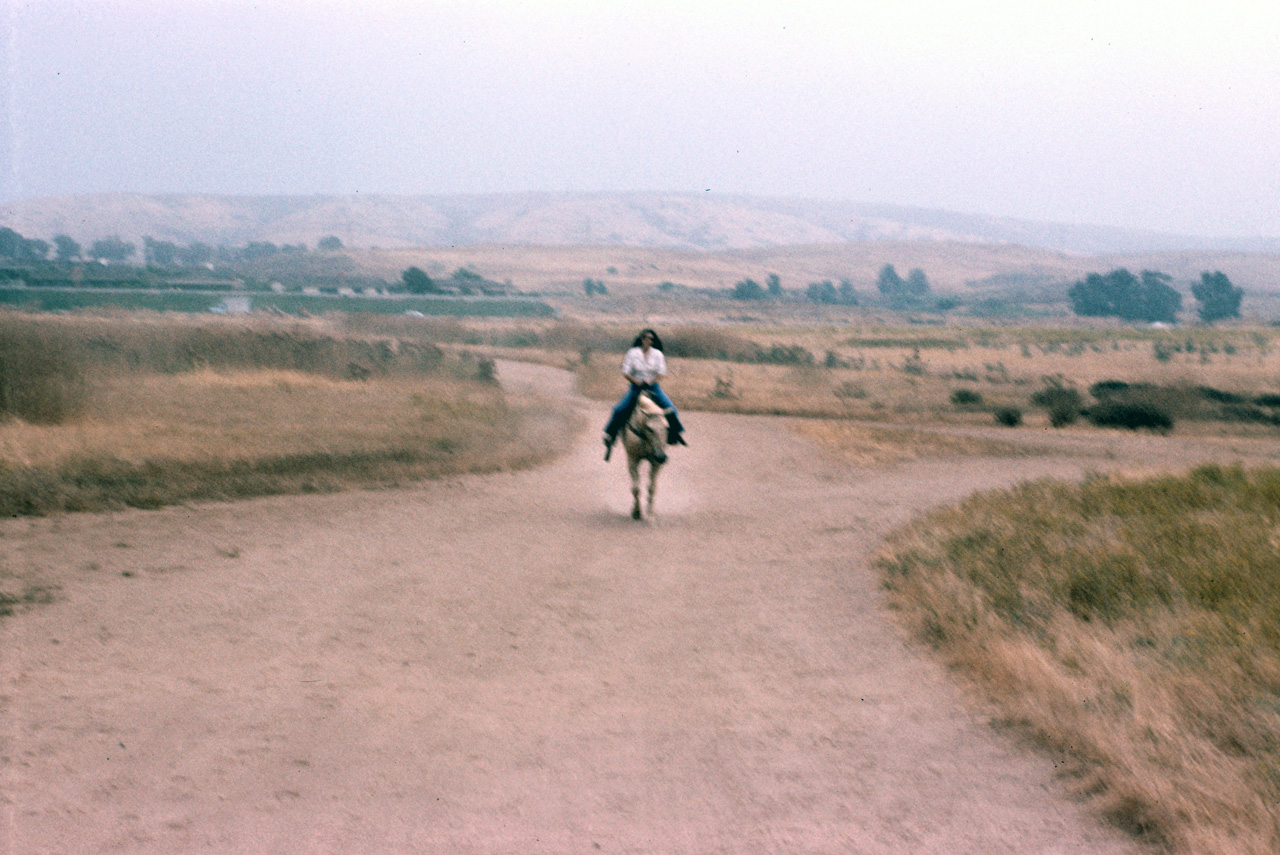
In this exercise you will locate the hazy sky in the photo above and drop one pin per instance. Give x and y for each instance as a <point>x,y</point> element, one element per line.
<point>1162,115</point>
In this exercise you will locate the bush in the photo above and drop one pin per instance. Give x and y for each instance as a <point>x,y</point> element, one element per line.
<point>1104,389</point>
<point>1131,415</point>
<point>1008,416</point>
<point>1217,395</point>
<point>1062,402</point>
<point>781,354</point>
<point>966,398</point>
<point>700,342</point>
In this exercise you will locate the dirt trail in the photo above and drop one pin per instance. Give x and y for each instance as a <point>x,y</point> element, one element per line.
<point>509,664</point>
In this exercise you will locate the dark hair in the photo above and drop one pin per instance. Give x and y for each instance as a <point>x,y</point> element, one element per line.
<point>657,342</point>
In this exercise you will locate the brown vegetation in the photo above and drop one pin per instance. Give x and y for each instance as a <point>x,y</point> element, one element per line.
<point>144,411</point>
<point>1133,626</point>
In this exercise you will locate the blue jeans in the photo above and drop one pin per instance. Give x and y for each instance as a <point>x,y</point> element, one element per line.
<point>623,409</point>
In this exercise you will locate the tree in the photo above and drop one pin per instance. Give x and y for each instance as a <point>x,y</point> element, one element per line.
<point>889,282</point>
<point>10,243</point>
<point>773,284</point>
<point>917,283</point>
<point>416,281</point>
<point>594,286</point>
<point>332,243</point>
<point>906,293</point>
<point>195,254</point>
<point>1157,300</point>
<point>161,253</point>
<point>66,248</point>
<point>822,292</point>
<point>1092,297</point>
<point>258,249</point>
<point>1217,296</point>
<point>34,249</point>
<point>112,249</point>
<point>14,246</point>
<point>748,289</point>
<point>1122,295</point>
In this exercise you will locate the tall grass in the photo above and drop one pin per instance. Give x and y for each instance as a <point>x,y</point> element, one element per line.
<point>156,440</point>
<point>42,377</point>
<point>1132,625</point>
<point>143,411</point>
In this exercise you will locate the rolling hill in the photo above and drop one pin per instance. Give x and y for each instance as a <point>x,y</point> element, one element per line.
<point>703,222</point>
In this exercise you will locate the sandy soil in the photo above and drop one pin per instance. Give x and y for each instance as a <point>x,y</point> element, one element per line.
<point>509,664</point>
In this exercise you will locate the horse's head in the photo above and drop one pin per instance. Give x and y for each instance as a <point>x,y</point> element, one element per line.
<point>648,425</point>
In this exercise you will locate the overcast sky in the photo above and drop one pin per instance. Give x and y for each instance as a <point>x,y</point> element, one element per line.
<point>1161,115</point>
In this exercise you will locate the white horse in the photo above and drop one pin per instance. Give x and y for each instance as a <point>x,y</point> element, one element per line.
<point>645,438</point>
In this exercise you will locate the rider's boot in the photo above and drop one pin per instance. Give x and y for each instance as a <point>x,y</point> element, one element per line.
<point>675,430</point>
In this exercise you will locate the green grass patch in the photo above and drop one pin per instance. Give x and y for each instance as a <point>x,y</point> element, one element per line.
<point>68,299</point>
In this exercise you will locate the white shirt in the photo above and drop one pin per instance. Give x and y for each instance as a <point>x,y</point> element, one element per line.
<point>644,367</point>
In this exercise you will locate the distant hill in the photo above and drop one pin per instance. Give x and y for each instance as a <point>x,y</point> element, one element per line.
<point>688,221</point>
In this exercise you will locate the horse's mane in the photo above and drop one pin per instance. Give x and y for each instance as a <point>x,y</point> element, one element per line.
<point>650,406</point>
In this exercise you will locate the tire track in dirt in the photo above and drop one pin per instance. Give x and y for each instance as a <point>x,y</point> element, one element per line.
<point>507,663</point>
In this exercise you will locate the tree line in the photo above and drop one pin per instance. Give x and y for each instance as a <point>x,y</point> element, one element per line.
<point>910,292</point>
<point>156,253</point>
<point>1150,298</point>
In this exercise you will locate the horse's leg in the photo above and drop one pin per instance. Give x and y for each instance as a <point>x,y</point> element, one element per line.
<point>633,466</point>
<point>653,484</point>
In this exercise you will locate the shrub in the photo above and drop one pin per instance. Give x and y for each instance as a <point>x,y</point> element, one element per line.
<point>724,389</point>
<point>1131,415</point>
<point>914,366</point>
<point>698,342</point>
<point>848,391</point>
<point>781,354</point>
<point>1062,402</point>
<point>486,371</point>
<point>1008,416</point>
<point>966,398</point>
<point>1217,395</point>
<point>1107,388</point>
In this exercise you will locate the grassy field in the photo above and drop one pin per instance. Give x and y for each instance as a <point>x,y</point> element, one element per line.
<point>1207,380</point>
<point>67,299</point>
<point>1133,627</point>
<point>142,411</point>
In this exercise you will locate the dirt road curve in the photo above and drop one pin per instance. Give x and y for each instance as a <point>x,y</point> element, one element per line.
<point>508,664</point>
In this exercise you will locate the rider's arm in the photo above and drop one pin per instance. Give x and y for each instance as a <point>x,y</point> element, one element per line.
<point>627,367</point>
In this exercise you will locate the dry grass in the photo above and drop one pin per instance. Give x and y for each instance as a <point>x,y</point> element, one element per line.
<point>909,374</point>
<point>871,445</point>
<point>1133,627</point>
<point>156,439</point>
<point>171,408</point>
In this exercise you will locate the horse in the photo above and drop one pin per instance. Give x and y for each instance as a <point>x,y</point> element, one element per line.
<point>645,438</point>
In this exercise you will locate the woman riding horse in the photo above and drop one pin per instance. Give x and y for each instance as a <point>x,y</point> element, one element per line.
<point>642,366</point>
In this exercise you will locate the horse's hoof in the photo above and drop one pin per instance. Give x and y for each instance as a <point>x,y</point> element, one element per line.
<point>635,515</point>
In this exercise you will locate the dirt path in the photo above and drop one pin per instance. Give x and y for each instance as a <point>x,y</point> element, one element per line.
<point>508,664</point>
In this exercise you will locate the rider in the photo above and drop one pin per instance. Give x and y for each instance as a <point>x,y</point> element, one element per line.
<point>642,366</point>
